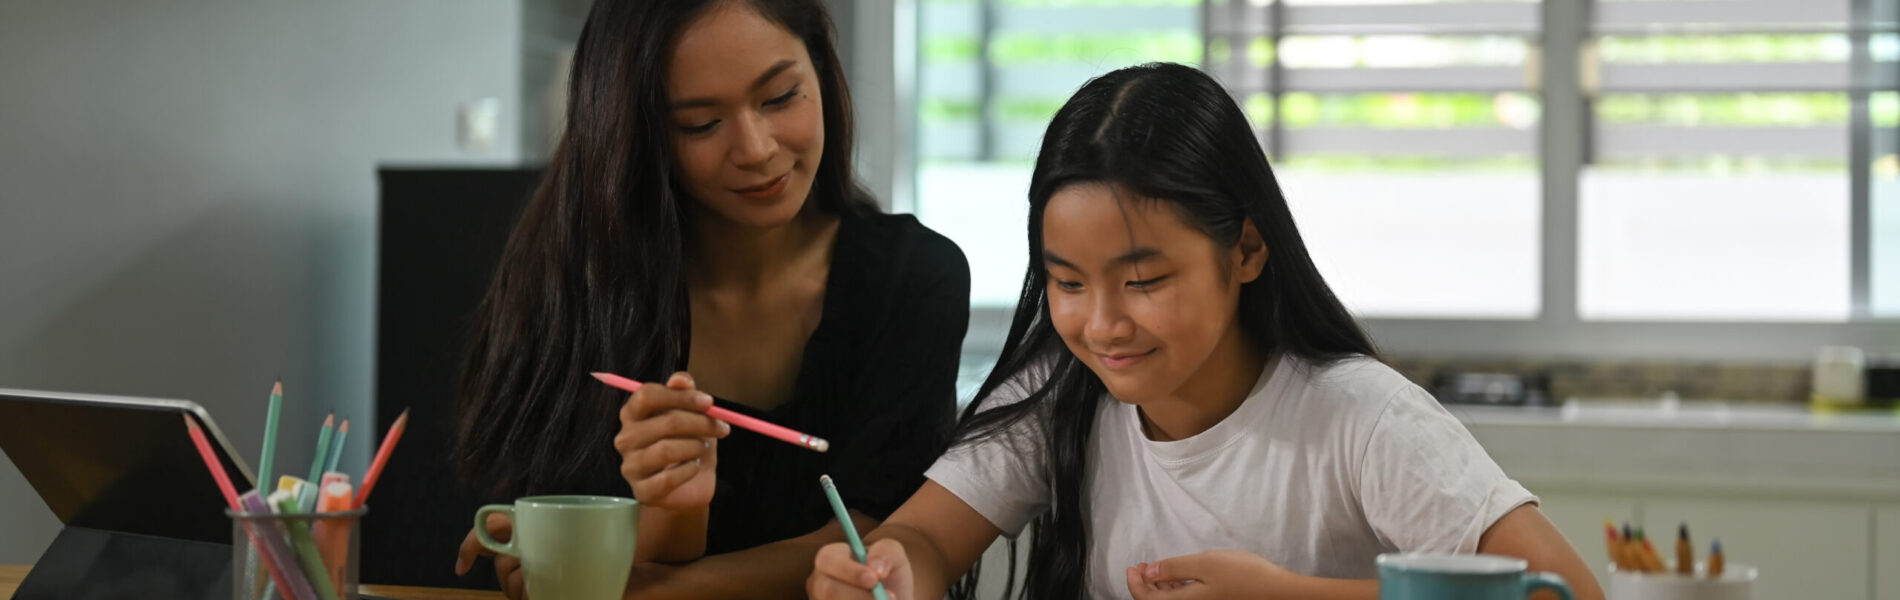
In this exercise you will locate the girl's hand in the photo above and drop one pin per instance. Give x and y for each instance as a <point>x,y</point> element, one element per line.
<point>507,568</point>
<point>669,448</point>
<point>1211,574</point>
<point>836,575</point>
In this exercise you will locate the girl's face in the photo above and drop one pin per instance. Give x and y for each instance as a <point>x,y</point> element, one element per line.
<point>749,124</point>
<point>1138,294</point>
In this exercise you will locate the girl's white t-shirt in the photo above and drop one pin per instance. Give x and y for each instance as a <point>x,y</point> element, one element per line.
<point>1320,470</point>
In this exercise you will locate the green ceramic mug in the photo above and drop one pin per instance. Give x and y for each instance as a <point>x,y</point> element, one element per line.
<point>1461,577</point>
<point>571,547</point>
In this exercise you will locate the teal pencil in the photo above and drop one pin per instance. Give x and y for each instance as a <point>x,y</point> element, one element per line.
<point>316,464</point>
<point>850,531</point>
<point>270,434</point>
<point>323,448</point>
<point>336,445</point>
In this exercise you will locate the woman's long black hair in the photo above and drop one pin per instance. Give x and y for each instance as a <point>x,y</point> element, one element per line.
<point>1169,133</point>
<point>593,277</point>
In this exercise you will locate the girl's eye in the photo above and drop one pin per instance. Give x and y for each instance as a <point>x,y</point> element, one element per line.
<point>1145,283</point>
<point>698,129</point>
<point>1068,286</point>
<point>782,98</point>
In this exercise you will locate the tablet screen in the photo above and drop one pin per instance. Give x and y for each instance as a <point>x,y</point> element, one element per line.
<point>119,464</point>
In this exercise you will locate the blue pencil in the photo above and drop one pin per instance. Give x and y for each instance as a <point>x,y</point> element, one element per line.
<point>336,445</point>
<point>850,531</point>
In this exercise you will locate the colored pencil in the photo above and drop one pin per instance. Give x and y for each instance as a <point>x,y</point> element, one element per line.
<point>270,432</point>
<point>323,449</point>
<point>336,446</point>
<point>1716,562</point>
<point>778,432</point>
<point>850,530</point>
<point>212,463</point>
<point>1614,545</point>
<point>382,458</point>
<point>1685,553</point>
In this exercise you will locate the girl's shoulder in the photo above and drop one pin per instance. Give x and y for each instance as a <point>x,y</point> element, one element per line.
<point>1358,388</point>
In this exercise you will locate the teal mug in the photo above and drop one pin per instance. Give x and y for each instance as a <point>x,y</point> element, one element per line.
<point>1461,577</point>
<point>571,547</point>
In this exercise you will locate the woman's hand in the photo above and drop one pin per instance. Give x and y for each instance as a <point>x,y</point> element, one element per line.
<point>669,448</point>
<point>836,575</point>
<point>507,568</point>
<point>1212,574</point>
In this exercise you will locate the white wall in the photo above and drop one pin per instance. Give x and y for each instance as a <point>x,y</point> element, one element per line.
<point>187,197</point>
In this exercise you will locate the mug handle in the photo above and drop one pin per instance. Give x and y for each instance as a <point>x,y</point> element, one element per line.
<point>481,531</point>
<point>1546,581</point>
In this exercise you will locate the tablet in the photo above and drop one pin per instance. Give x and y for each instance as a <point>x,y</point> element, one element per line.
<point>119,464</point>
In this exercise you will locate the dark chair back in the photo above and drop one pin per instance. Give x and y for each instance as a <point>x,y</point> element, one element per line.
<point>442,233</point>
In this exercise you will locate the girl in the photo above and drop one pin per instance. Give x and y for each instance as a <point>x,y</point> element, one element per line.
<point>700,213</point>
<point>1182,407</point>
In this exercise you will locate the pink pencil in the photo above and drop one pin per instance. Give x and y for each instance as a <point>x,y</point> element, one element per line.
<point>789,436</point>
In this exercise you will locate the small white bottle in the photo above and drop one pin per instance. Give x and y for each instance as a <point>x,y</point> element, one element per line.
<point>1839,376</point>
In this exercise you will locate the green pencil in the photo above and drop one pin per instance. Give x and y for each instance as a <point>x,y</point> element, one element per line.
<point>323,449</point>
<point>270,434</point>
<point>850,531</point>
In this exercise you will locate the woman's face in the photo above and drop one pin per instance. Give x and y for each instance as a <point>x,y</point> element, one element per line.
<point>748,119</point>
<point>1137,293</point>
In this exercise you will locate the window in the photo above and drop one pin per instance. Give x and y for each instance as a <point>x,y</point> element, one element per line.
<point>1405,138</point>
<point>1721,172</point>
<point>992,74</point>
<point>1686,161</point>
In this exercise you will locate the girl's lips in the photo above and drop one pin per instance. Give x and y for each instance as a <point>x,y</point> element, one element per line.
<point>1122,361</point>
<point>767,191</point>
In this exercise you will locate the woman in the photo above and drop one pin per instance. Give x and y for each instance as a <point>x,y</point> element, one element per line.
<point>700,215</point>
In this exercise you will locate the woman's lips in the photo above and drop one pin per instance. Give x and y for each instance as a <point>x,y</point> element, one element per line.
<point>767,191</point>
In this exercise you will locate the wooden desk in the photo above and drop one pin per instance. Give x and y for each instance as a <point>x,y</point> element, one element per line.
<point>11,575</point>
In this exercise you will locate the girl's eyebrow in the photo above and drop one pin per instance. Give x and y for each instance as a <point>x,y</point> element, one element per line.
<point>1134,255</point>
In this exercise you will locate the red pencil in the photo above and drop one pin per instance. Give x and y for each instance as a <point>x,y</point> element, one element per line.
<point>805,440</point>
<point>382,457</point>
<point>212,463</point>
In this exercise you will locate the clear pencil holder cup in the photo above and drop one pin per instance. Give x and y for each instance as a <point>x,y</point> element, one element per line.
<point>309,556</point>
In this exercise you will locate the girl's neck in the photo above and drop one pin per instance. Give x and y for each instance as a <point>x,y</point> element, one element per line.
<point>1211,393</point>
<point>733,256</point>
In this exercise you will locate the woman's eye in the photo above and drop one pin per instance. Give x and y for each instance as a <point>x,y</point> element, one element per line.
<point>783,98</point>
<point>1068,286</point>
<point>697,129</point>
<point>1146,282</point>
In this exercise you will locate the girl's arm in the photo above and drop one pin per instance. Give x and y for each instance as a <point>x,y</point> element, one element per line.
<point>930,541</point>
<point>1525,533</point>
<point>1522,533</point>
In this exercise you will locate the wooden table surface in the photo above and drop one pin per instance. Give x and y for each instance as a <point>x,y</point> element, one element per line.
<point>11,575</point>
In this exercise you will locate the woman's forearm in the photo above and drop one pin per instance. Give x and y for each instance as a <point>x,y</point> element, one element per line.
<point>669,536</point>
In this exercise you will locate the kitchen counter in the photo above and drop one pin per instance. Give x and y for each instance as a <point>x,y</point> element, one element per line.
<point>1693,447</point>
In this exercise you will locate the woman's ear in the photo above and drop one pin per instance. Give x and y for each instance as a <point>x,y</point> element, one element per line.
<point>1250,253</point>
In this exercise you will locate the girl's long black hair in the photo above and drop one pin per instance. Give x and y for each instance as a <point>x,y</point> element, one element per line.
<point>593,276</point>
<point>1169,133</point>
